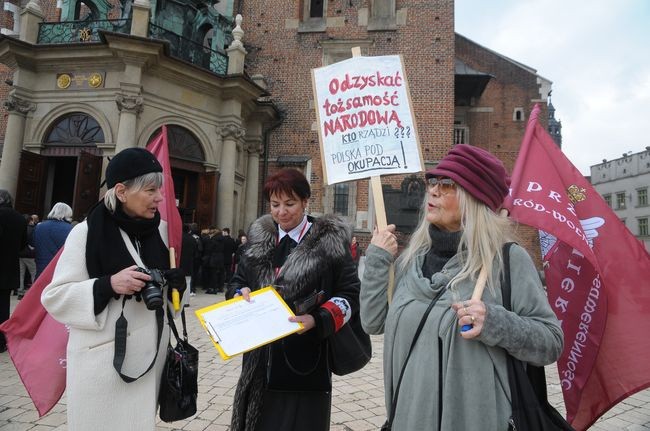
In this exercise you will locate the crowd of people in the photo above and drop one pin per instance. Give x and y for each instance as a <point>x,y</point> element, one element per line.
<point>453,380</point>
<point>209,257</point>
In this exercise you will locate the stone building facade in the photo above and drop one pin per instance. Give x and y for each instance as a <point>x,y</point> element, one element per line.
<point>97,82</point>
<point>263,118</point>
<point>624,184</point>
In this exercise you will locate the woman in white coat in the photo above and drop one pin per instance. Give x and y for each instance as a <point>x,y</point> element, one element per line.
<point>96,281</point>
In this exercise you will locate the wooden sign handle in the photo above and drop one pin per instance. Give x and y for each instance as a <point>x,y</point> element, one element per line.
<point>380,209</point>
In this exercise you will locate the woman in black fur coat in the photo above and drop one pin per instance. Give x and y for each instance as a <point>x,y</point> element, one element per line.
<point>286,385</point>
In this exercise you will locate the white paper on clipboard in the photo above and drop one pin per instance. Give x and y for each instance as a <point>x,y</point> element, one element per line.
<point>237,326</point>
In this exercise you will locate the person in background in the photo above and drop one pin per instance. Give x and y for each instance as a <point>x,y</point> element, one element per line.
<point>240,249</point>
<point>287,385</point>
<point>27,262</point>
<point>196,271</point>
<point>239,235</point>
<point>13,238</point>
<point>188,250</point>
<point>229,249</point>
<point>98,282</point>
<point>204,237</point>
<point>50,235</point>
<point>456,380</point>
<point>213,261</point>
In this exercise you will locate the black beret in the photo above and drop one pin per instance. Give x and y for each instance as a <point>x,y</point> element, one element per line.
<point>130,163</point>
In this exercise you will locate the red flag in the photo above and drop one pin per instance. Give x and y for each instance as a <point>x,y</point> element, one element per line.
<point>37,345</point>
<point>596,275</point>
<point>168,210</point>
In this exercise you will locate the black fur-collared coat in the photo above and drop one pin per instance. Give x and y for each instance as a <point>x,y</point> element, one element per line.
<point>298,363</point>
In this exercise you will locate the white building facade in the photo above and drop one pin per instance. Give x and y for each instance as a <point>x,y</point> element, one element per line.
<point>624,184</point>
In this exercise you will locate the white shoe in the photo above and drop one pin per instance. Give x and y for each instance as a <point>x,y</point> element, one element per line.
<point>192,294</point>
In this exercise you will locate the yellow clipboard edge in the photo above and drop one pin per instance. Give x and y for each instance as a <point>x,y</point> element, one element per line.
<point>200,312</point>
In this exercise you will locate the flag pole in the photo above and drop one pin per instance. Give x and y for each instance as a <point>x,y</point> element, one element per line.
<point>176,296</point>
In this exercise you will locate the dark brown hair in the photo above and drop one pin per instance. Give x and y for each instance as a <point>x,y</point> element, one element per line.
<point>289,182</point>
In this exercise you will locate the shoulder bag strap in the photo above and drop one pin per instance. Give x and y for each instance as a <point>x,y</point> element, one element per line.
<point>121,326</point>
<point>505,277</point>
<point>415,338</point>
<point>172,325</point>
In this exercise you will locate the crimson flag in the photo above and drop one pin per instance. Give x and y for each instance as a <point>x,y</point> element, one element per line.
<point>596,276</point>
<point>168,210</point>
<point>37,345</point>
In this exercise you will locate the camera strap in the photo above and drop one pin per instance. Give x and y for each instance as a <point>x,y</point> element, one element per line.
<point>121,326</point>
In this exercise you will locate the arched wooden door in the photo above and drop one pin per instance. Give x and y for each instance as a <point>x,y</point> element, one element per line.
<point>68,168</point>
<point>195,189</point>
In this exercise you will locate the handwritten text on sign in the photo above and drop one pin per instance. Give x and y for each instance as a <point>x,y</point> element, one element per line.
<point>366,124</point>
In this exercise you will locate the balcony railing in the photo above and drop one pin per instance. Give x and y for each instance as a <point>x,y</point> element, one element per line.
<point>180,47</point>
<point>461,135</point>
<point>190,51</point>
<point>79,31</point>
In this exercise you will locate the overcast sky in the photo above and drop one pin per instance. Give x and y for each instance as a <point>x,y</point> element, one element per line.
<point>596,53</point>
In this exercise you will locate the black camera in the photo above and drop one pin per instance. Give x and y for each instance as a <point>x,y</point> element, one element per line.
<point>152,293</point>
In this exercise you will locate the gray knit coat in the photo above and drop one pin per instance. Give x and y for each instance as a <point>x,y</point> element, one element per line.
<point>452,383</point>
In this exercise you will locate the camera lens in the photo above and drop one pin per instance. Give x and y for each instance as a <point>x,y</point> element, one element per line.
<point>152,296</point>
<point>152,292</point>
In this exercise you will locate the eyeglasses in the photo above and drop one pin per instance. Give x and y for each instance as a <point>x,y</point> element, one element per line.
<point>445,185</point>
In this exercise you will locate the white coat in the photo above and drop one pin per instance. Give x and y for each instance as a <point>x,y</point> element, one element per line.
<point>97,398</point>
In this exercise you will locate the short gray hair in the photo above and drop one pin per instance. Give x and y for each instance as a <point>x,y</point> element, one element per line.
<point>61,211</point>
<point>135,184</point>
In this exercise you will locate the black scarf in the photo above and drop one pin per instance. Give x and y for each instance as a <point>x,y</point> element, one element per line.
<point>444,246</point>
<point>106,253</point>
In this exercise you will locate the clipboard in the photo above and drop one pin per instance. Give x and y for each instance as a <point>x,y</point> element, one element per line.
<point>227,323</point>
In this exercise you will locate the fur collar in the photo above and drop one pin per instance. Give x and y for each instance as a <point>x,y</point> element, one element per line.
<point>326,243</point>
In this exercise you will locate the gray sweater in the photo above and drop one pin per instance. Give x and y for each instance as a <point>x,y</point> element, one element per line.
<point>451,383</point>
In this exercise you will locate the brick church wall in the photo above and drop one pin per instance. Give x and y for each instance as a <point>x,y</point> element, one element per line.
<point>286,56</point>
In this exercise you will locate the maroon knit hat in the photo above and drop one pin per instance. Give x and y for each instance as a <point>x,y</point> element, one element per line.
<point>477,171</point>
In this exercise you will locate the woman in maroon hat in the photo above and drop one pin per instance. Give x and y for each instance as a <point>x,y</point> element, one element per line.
<point>456,379</point>
<point>97,284</point>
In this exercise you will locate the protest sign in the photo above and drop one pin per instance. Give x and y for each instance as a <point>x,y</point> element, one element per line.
<point>365,122</point>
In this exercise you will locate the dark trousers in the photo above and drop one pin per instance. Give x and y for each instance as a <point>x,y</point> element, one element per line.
<point>5,304</point>
<point>227,273</point>
<point>196,275</point>
<point>213,278</point>
<point>295,411</point>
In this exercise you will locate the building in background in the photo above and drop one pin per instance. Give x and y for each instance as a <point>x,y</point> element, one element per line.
<point>90,78</point>
<point>624,184</point>
<point>234,126</point>
<point>461,92</point>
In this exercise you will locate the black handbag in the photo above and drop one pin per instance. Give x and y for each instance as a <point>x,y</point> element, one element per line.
<point>531,410</point>
<point>179,383</point>
<point>349,349</point>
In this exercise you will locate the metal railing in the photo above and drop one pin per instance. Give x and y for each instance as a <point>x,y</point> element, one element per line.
<point>190,51</point>
<point>79,31</point>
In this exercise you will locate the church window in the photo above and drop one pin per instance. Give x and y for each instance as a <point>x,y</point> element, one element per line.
<point>75,129</point>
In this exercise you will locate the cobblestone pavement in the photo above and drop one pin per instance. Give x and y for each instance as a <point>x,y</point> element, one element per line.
<point>358,399</point>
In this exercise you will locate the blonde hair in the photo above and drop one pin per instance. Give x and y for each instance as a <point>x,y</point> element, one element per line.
<point>135,185</point>
<point>483,233</point>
